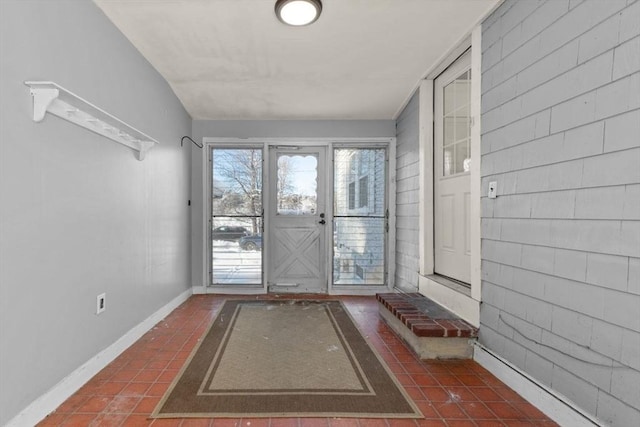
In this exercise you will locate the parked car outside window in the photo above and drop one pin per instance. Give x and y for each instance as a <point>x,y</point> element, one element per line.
<point>230,233</point>
<point>251,243</point>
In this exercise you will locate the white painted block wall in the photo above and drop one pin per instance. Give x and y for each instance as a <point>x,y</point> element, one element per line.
<point>561,243</point>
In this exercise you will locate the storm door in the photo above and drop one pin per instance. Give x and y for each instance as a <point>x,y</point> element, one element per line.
<point>297,218</point>
<point>236,223</point>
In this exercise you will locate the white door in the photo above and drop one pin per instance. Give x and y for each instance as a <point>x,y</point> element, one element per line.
<point>297,219</point>
<point>452,158</point>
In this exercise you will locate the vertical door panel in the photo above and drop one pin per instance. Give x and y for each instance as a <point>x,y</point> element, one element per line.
<point>297,224</point>
<point>447,223</point>
<point>452,157</point>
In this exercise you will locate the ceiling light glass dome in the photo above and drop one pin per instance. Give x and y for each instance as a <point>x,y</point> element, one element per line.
<point>298,12</point>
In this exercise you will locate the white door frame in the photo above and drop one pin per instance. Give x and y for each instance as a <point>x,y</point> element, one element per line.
<point>465,303</point>
<point>330,143</point>
<point>278,221</point>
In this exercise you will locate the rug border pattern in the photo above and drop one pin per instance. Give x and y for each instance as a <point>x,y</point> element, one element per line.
<point>415,414</point>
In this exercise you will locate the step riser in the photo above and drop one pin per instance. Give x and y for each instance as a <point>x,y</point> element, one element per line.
<point>429,347</point>
<point>431,331</point>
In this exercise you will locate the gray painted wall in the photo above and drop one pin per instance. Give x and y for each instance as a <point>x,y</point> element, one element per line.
<point>264,129</point>
<point>561,243</point>
<point>79,215</point>
<point>407,198</point>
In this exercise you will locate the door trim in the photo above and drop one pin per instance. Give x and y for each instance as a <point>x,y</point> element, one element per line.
<point>271,215</point>
<point>218,142</point>
<point>465,305</point>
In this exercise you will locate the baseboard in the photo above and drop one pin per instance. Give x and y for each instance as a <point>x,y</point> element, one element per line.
<point>360,293</point>
<point>555,406</point>
<point>45,404</point>
<point>231,290</point>
<point>199,290</point>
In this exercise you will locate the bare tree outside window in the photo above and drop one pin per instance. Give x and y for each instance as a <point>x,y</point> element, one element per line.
<point>237,181</point>
<point>297,184</point>
<point>235,229</point>
<point>285,186</point>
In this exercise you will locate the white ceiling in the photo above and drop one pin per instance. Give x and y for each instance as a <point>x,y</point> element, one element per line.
<point>233,59</point>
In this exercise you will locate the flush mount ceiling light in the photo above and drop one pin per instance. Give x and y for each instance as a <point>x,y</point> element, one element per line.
<point>298,12</point>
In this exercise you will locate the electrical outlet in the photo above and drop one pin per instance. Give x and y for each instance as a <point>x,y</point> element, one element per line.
<point>493,190</point>
<point>100,303</point>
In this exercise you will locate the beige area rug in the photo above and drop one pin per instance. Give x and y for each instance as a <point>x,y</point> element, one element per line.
<point>285,359</point>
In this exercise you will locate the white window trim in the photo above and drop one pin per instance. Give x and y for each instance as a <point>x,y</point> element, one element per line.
<point>218,142</point>
<point>210,143</point>
<point>465,305</point>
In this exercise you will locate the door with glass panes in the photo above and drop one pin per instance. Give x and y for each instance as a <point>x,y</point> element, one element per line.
<point>326,218</point>
<point>298,219</point>
<point>452,162</point>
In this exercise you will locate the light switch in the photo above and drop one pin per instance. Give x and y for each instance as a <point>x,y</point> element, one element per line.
<point>493,189</point>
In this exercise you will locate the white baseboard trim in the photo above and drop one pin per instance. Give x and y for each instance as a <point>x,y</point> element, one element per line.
<point>230,290</point>
<point>554,405</point>
<point>359,292</point>
<point>199,290</point>
<point>45,404</point>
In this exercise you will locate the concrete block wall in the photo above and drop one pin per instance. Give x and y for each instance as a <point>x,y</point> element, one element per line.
<point>561,243</point>
<point>407,196</point>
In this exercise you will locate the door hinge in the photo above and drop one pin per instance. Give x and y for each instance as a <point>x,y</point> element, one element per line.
<point>386,222</point>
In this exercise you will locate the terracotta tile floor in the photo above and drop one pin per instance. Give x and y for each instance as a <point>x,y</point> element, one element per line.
<point>449,393</point>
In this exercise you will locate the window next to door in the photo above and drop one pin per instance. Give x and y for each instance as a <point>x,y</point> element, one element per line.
<point>236,223</point>
<point>359,216</point>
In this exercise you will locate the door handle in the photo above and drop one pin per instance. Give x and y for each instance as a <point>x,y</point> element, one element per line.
<point>322,221</point>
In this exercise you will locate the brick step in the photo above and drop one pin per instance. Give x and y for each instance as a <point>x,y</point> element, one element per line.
<point>431,331</point>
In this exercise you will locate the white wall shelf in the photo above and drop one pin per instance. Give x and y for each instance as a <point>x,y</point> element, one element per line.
<point>52,98</point>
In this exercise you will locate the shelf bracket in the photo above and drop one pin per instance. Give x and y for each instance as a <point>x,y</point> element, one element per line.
<point>144,147</point>
<point>42,99</point>
<point>48,97</point>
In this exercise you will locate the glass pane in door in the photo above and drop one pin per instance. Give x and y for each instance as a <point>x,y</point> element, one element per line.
<point>297,186</point>
<point>359,212</point>
<point>236,216</point>
<point>456,125</point>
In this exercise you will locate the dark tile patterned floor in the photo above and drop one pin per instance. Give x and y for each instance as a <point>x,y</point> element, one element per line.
<point>449,393</point>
